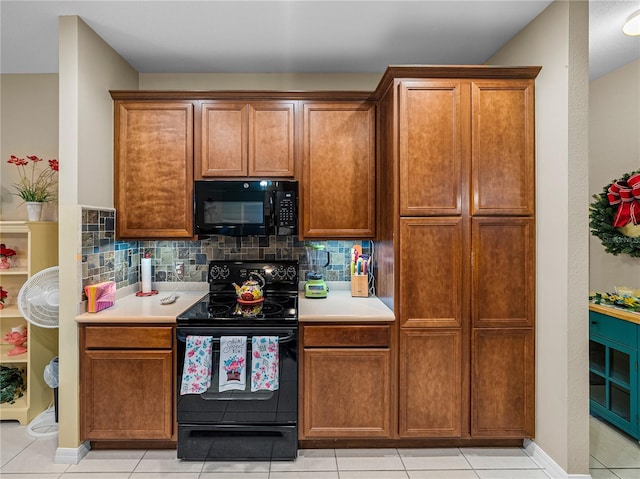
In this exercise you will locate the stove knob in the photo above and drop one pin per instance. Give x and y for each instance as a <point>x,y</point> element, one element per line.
<point>278,273</point>
<point>218,272</point>
<point>213,272</point>
<point>224,273</point>
<point>291,273</point>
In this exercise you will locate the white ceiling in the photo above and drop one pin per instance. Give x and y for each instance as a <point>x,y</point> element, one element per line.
<point>296,36</point>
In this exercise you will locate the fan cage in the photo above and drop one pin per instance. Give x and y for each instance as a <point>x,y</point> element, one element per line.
<point>39,297</point>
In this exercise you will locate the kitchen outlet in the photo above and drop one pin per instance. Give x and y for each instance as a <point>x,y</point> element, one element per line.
<point>180,270</point>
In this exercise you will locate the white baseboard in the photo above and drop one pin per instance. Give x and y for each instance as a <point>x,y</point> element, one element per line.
<point>549,465</point>
<point>71,455</point>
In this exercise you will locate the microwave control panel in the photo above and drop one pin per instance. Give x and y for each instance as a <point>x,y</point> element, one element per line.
<point>286,214</point>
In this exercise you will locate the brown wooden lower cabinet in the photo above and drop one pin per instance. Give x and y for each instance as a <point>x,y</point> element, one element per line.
<point>127,383</point>
<point>502,383</point>
<point>431,383</point>
<point>346,382</point>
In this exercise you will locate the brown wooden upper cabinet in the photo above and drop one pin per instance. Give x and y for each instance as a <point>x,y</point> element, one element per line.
<point>338,155</point>
<point>154,169</point>
<point>239,139</point>
<point>502,147</point>
<point>466,145</point>
<point>433,141</point>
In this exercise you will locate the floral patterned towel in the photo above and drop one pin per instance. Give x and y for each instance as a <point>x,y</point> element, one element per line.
<point>264,363</point>
<point>233,362</point>
<point>196,375</point>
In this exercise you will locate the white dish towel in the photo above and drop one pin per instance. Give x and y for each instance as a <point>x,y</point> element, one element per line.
<point>233,363</point>
<point>196,374</point>
<point>264,363</point>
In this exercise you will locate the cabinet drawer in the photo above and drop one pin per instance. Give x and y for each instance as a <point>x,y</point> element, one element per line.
<point>614,329</point>
<point>128,337</point>
<point>346,336</point>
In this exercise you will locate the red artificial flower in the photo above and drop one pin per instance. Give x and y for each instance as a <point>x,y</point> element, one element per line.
<point>18,161</point>
<point>4,251</point>
<point>3,294</point>
<point>35,185</point>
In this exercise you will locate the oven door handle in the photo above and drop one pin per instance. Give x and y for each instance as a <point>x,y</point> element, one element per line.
<point>287,339</point>
<point>284,339</point>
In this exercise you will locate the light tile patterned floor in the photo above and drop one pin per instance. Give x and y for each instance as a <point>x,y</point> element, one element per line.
<point>613,456</point>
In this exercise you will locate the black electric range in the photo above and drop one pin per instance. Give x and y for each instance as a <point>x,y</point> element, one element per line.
<point>221,306</point>
<point>241,424</point>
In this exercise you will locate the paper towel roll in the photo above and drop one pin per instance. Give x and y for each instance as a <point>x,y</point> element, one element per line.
<point>146,275</point>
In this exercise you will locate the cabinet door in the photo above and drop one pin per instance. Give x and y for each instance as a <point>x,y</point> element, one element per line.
<point>503,147</point>
<point>613,371</point>
<point>224,139</point>
<point>271,139</point>
<point>503,272</point>
<point>154,169</point>
<point>434,137</point>
<point>432,268</point>
<point>141,404</point>
<point>347,393</point>
<point>339,170</point>
<point>431,383</point>
<point>502,383</point>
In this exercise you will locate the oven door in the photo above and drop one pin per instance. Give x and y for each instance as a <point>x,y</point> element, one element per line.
<point>244,407</point>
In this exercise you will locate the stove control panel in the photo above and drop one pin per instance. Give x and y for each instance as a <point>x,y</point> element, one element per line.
<point>218,272</point>
<point>275,272</point>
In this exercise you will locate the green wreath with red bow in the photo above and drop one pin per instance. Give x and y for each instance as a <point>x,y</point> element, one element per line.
<point>615,213</point>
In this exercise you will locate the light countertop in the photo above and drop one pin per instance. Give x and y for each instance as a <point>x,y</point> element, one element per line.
<point>144,309</point>
<point>615,312</point>
<point>340,306</point>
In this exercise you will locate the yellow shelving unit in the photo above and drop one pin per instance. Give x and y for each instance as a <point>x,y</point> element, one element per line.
<point>36,246</point>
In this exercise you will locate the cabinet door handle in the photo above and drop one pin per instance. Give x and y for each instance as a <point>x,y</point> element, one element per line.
<point>594,322</point>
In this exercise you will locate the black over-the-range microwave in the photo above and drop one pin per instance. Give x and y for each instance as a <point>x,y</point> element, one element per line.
<point>246,208</point>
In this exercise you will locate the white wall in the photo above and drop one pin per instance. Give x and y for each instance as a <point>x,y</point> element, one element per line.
<point>614,149</point>
<point>260,81</point>
<point>29,126</point>
<point>558,40</point>
<point>88,69</point>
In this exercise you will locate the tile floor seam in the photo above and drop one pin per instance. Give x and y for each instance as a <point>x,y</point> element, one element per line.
<point>466,459</point>
<point>402,461</point>
<point>137,464</point>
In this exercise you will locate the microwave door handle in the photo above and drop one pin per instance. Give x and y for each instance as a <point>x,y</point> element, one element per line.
<point>272,210</point>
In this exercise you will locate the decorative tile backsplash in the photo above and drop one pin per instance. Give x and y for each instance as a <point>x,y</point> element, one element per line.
<point>106,259</point>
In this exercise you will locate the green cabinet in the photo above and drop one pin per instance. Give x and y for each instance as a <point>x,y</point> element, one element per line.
<point>613,371</point>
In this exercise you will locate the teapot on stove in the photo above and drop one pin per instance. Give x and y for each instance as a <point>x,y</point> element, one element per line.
<point>251,290</point>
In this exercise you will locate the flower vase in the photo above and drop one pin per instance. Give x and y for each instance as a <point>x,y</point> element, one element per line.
<point>4,263</point>
<point>34,210</point>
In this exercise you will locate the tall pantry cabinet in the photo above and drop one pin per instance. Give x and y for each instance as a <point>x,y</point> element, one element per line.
<point>456,249</point>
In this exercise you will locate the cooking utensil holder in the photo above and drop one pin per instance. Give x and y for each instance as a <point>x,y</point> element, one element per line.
<point>360,285</point>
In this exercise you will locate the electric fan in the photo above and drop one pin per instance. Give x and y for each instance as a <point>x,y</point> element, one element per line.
<point>38,298</point>
<point>38,302</point>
